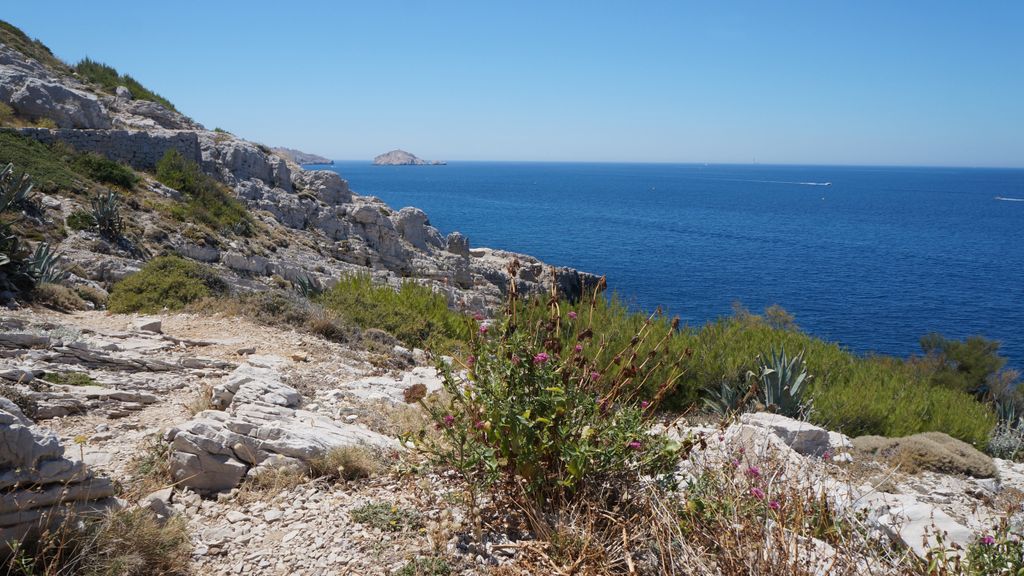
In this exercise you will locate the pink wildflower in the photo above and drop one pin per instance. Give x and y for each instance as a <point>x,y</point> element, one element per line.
<point>479,424</point>
<point>483,328</point>
<point>735,463</point>
<point>753,471</point>
<point>578,348</point>
<point>541,358</point>
<point>470,360</point>
<point>774,505</point>
<point>571,315</point>
<point>757,493</point>
<point>644,405</point>
<point>595,375</point>
<point>478,316</point>
<point>988,540</point>
<point>826,455</point>
<point>448,419</point>
<point>635,445</point>
<point>515,359</point>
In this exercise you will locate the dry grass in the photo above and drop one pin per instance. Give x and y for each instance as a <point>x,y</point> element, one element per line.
<point>934,451</point>
<point>202,401</point>
<point>118,543</point>
<point>151,468</point>
<point>269,483</point>
<point>346,463</point>
<point>58,297</point>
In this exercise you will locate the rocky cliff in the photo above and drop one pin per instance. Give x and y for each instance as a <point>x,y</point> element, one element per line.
<point>403,158</point>
<point>301,158</point>
<point>320,228</point>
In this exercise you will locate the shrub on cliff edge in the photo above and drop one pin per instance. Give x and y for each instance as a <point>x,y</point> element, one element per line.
<point>166,282</point>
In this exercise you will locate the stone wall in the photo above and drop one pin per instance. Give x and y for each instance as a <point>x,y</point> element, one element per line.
<point>140,150</point>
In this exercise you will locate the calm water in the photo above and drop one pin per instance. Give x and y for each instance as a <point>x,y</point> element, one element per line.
<point>873,261</point>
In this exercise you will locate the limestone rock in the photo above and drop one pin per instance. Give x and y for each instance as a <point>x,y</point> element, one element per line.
<point>414,227</point>
<point>804,437</point>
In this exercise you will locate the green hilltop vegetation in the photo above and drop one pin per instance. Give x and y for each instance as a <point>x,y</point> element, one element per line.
<point>90,71</point>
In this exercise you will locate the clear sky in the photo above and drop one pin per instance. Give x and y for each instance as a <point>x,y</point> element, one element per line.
<point>817,82</point>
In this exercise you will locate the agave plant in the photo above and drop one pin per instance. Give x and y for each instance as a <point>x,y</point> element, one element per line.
<point>44,267</point>
<point>106,212</point>
<point>308,287</point>
<point>781,380</point>
<point>14,189</point>
<point>728,399</point>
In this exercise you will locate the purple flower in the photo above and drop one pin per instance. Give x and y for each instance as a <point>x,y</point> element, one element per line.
<point>635,445</point>
<point>753,471</point>
<point>578,348</point>
<point>644,405</point>
<point>988,540</point>
<point>479,424</point>
<point>541,358</point>
<point>483,328</point>
<point>470,360</point>
<point>826,455</point>
<point>735,463</point>
<point>595,375</point>
<point>757,493</point>
<point>448,419</point>
<point>774,505</point>
<point>571,315</point>
<point>742,450</point>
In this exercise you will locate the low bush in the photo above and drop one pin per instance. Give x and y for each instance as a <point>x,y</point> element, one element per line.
<point>80,220</point>
<point>22,400</point>
<point>426,566</point>
<point>207,201</point>
<point>387,517</point>
<point>281,309</point>
<point>96,296</point>
<point>102,169</point>
<point>1000,551</point>
<point>1007,441</point>
<point>933,451</point>
<point>414,313</point>
<point>69,378</point>
<point>166,282</point>
<point>108,78</point>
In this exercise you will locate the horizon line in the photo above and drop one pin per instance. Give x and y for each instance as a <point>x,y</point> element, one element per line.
<point>692,163</point>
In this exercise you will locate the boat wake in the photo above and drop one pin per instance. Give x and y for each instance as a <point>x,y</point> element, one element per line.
<point>1005,199</point>
<point>773,182</point>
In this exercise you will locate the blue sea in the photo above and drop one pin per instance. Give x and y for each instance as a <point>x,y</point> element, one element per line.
<point>869,257</point>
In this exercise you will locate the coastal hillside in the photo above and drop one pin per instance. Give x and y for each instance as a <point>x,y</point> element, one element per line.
<point>215,361</point>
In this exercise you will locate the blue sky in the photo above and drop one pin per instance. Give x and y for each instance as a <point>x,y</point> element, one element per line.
<point>815,82</point>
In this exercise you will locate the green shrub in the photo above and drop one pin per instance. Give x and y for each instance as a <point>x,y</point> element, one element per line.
<point>414,314</point>
<point>858,395</point>
<point>208,201</point>
<point>80,220</point>
<point>554,422</point>
<point>109,79</point>
<point>49,170</point>
<point>1007,441</point>
<point>165,282</point>
<point>102,169</point>
<point>999,552</point>
<point>933,451</point>
<point>966,365</point>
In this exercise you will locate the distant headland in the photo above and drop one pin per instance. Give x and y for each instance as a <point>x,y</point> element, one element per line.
<point>403,158</point>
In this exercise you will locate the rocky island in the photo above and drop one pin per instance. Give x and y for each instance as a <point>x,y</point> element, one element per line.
<point>403,158</point>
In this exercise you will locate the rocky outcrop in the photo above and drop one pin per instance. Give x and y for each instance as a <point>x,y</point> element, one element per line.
<point>301,158</point>
<point>145,114</point>
<point>403,158</point>
<point>39,484</point>
<point>258,425</point>
<point>34,92</point>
